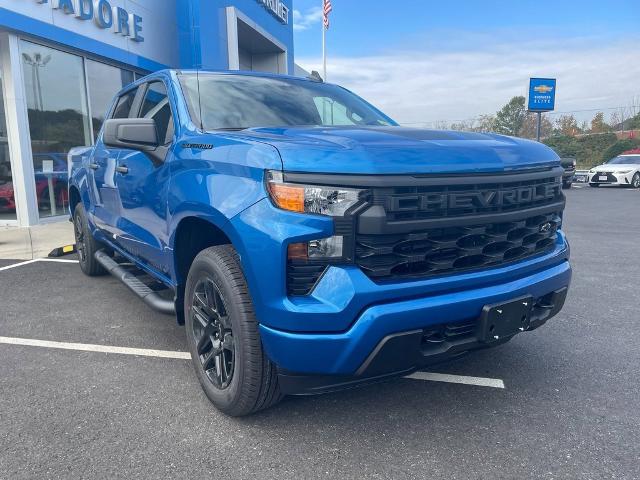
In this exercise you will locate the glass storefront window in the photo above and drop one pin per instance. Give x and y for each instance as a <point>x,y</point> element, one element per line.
<point>104,82</point>
<point>7,199</point>
<point>58,119</point>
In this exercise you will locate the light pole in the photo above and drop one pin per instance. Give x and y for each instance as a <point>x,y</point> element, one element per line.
<point>37,62</point>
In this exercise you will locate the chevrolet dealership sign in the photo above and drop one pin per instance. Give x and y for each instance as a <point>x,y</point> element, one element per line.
<point>542,94</point>
<point>277,8</point>
<point>102,14</point>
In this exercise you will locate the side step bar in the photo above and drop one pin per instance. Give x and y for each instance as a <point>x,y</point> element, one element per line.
<point>148,296</point>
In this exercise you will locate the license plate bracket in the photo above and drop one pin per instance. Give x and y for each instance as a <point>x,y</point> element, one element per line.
<point>503,320</point>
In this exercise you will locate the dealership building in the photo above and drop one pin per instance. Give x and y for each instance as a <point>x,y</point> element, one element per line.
<point>62,61</point>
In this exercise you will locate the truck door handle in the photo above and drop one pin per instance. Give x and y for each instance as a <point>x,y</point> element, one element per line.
<point>123,170</point>
<point>94,166</point>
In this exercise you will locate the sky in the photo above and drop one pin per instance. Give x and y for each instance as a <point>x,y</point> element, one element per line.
<point>425,62</point>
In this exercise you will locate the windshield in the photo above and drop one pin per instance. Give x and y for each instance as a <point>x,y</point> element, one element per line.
<point>625,160</point>
<point>236,102</point>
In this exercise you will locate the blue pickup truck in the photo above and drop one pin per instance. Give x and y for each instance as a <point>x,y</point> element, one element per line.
<point>309,243</point>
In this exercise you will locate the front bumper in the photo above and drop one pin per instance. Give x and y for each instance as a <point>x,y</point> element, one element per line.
<point>568,174</point>
<point>401,353</point>
<point>612,178</point>
<point>349,353</point>
<point>334,330</point>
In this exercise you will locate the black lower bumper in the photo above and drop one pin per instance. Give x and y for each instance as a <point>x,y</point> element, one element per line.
<point>402,353</point>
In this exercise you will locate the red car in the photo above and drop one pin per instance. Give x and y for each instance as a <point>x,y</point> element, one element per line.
<point>59,182</point>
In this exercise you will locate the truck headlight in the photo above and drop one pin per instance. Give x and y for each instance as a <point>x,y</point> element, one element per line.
<point>321,200</point>
<point>624,172</point>
<point>330,248</point>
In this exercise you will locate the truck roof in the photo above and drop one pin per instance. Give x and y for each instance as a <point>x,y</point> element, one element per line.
<point>243,73</point>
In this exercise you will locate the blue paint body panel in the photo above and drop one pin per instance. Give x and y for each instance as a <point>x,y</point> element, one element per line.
<point>332,330</point>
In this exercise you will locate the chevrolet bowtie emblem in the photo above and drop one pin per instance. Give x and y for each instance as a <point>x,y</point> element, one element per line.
<point>542,89</point>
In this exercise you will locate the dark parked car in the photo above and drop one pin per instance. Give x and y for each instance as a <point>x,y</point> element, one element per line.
<point>569,165</point>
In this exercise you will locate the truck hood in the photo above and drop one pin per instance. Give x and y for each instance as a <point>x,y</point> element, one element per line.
<point>399,150</point>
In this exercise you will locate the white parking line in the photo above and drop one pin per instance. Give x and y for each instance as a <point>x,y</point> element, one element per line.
<point>57,260</point>
<point>145,352</point>
<point>28,262</point>
<point>441,377</point>
<point>17,265</point>
<point>85,347</point>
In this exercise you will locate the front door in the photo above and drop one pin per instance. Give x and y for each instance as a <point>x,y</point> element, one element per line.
<point>105,197</point>
<point>142,182</point>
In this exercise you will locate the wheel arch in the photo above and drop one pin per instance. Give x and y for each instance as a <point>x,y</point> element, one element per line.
<point>191,235</point>
<point>74,198</point>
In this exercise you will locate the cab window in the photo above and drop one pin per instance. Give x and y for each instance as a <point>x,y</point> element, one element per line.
<point>156,105</point>
<point>124,104</point>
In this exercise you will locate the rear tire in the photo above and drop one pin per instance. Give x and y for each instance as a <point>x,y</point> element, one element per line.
<point>223,337</point>
<point>86,244</point>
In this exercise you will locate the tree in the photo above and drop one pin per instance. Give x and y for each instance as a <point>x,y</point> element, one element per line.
<point>440,125</point>
<point>530,126</point>
<point>463,126</point>
<point>486,123</point>
<point>634,122</point>
<point>567,125</point>
<point>510,119</point>
<point>617,148</point>
<point>598,125</point>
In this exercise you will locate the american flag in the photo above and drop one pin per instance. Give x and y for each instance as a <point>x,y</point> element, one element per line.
<point>325,13</point>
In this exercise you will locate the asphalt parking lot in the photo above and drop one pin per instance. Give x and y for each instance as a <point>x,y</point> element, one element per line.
<point>569,407</point>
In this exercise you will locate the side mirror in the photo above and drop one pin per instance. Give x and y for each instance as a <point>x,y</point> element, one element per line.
<point>134,133</point>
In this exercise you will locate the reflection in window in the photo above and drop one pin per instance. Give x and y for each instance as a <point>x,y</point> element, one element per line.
<point>7,198</point>
<point>104,82</point>
<point>58,119</point>
<point>156,106</point>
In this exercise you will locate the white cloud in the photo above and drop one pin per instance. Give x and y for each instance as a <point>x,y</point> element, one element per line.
<point>304,21</point>
<point>428,86</point>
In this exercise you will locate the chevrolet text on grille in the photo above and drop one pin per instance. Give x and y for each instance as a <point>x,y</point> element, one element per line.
<point>480,198</point>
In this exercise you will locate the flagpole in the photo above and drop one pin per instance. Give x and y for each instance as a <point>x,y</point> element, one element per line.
<point>324,50</point>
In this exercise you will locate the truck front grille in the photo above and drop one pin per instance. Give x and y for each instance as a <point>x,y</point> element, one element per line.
<point>416,227</point>
<point>455,249</point>
<point>456,224</point>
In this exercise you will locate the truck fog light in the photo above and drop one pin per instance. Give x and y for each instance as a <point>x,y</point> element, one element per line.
<point>324,248</point>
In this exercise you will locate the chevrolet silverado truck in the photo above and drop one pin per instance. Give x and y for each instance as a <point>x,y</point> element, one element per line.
<point>308,242</point>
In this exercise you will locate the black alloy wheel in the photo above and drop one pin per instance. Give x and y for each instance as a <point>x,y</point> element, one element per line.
<point>81,247</point>
<point>86,244</point>
<point>213,333</point>
<point>223,335</point>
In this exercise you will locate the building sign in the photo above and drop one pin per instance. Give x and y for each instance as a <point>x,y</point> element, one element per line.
<point>102,14</point>
<point>277,8</point>
<point>542,94</point>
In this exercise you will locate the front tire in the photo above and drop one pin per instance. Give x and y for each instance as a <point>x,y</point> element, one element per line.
<point>86,244</point>
<point>566,185</point>
<point>223,338</point>
<point>635,181</point>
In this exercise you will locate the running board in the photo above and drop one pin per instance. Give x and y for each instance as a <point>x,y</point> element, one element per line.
<point>146,294</point>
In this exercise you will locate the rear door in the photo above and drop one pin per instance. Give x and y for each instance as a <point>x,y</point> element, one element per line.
<point>106,199</point>
<point>142,182</point>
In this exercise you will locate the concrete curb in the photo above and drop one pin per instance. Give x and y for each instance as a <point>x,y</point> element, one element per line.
<point>27,243</point>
